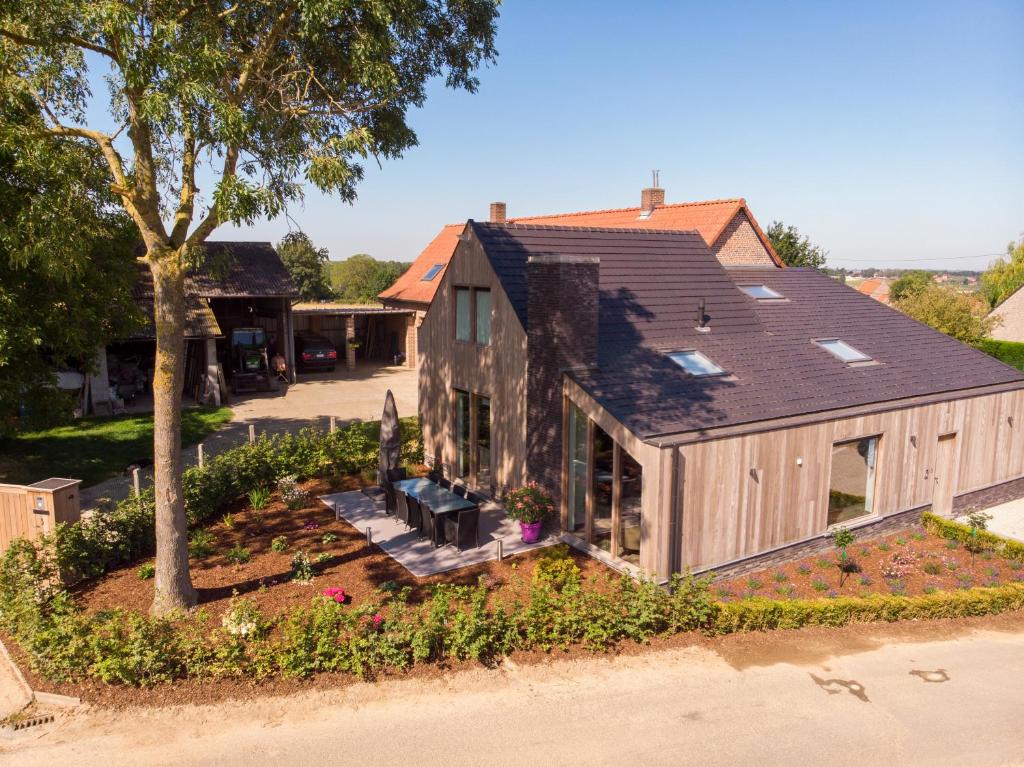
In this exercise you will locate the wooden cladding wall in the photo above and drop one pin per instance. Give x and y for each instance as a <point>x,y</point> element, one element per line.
<point>28,510</point>
<point>746,494</point>
<point>497,371</point>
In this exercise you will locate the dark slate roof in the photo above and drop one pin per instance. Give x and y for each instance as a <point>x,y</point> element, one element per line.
<point>199,319</point>
<point>650,282</point>
<point>242,270</point>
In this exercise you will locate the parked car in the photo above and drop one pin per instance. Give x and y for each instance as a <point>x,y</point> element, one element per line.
<point>315,353</point>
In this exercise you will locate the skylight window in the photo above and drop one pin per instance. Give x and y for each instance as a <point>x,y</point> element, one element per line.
<point>432,272</point>
<point>695,363</point>
<point>761,292</point>
<point>842,350</point>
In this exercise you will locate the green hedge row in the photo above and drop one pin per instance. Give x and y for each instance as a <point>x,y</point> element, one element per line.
<point>1010,352</point>
<point>955,531</point>
<point>106,540</point>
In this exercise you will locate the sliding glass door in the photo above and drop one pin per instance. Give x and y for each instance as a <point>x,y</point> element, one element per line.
<point>462,437</point>
<point>473,459</point>
<point>604,489</point>
<point>483,442</point>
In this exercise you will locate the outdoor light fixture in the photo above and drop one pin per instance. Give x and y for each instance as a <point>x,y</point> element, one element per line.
<point>1009,420</point>
<point>799,461</point>
<point>40,503</point>
<point>913,440</point>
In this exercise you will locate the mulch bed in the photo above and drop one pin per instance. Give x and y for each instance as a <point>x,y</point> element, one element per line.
<point>266,578</point>
<point>910,562</point>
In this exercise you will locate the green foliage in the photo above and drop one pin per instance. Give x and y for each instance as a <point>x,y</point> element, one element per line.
<point>200,544</point>
<point>238,554</point>
<point>528,504</point>
<point>302,570</point>
<point>361,278</point>
<point>793,248</point>
<point>960,534</point>
<point>556,567</point>
<point>909,284</point>
<point>259,497</point>
<point>147,571</point>
<point>328,539</point>
<point>1004,277</point>
<point>66,267</point>
<point>307,265</point>
<point>949,311</point>
<point>1010,352</point>
<point>279,544</point>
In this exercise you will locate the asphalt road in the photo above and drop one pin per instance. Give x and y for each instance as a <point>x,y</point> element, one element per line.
<point>803,700</point>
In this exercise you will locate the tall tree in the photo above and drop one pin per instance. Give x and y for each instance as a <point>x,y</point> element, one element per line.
<point>307,264</point>
<point>361,278</point>
<point>910,283</point>
<point>960,315</point>
<point>66,268</point>
<point>794,248</point>
<point>253,96</point>
<point>1005,276</point>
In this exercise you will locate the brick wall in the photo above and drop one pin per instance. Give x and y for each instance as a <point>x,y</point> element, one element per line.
<point>739,244</point>
<point>990,496</point>
<point>562,310</point>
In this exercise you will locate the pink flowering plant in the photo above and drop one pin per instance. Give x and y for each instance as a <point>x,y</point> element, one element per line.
<point>337,594</point>
<point>529,504</point>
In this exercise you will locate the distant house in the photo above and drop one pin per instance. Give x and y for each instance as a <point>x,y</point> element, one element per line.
<point>691,412</point>
<point>1010,314</point>
<point>726,226</point>
<point>877,288</point>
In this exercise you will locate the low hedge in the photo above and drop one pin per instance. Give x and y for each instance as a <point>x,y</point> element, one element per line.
<point>956,531</point>
<point>89,548</point>
<point>1010,352</point>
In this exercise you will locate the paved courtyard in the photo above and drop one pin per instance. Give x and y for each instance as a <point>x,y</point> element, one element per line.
<point>1007,519</point>
<point>347,395</point>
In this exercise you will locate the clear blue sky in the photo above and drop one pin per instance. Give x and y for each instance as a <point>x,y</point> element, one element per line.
<point>884,131</point>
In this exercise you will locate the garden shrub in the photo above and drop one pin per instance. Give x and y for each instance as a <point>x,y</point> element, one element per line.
<point>1010,352</point>
<point>961,534</point>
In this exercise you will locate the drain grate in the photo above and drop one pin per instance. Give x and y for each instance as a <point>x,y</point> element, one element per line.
<point>34,721</point>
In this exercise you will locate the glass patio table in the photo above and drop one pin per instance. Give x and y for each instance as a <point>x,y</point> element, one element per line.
<point>438,499</point>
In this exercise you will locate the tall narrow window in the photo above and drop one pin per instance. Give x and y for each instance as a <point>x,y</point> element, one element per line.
<point>462,427</point>
<point>483,442</point>
<point>851,487</point>
<point>483,316</point>
<point>463,324</point>
<point>631,475</point>
<point>577,469</point>
<point>604,481</point>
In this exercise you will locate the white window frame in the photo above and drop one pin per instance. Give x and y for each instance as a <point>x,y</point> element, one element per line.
<point>861,357</point>
<point>717,371</point>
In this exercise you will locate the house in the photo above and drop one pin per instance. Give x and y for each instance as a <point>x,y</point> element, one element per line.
<point>687,412</point>
<point>727,226</point>
<point>238,284</point>
<point>877,288</point>
<point>1010,316</point>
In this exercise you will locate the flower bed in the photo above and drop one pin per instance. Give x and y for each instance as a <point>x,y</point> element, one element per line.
<point>914,562</point>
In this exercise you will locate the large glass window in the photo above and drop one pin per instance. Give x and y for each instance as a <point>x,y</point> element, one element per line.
<point>843,350</point>
<point>462,426</point>
<point>604,480</point>
<point>631,477</point>
<point>483,442</point>
<point>577,492</point>
<point>851,487</point>
<point>483,316</point>
<point>463,325</point>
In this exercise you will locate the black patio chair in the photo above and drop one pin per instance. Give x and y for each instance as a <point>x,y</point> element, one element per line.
<point>475,498</point>
<point>434,477</point>
<point>390,499</point>
<point>463,528</point>
<point>394,475</point>
<point>445,483</point>
<point>415,515</point>
<point>459,489</point>
<point>402,511</point>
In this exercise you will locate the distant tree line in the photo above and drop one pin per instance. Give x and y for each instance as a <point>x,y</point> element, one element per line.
<point>359,279</point>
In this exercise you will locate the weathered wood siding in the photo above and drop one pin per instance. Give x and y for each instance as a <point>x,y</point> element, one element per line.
<point>728,514</point>
<point>497,371</point>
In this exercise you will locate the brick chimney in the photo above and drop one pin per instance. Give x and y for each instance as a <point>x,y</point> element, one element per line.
<point>651,198</point>
<point>497,213</point>
<point>561,318</point>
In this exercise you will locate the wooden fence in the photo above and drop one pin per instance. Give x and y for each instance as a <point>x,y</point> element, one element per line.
<point>30,510</point>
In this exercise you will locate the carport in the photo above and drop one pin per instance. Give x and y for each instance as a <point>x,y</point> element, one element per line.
<point>369,332</point>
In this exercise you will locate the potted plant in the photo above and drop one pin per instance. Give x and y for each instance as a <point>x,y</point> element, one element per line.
<point>529,505</point>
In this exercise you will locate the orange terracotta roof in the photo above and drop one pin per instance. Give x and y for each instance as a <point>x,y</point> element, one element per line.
<point>875,287</point>
<point>710,218</point>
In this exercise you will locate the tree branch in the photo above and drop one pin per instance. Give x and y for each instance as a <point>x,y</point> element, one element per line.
<point>69,39</point>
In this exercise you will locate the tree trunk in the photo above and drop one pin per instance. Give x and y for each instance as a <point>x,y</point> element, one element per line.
<point>174,589</point>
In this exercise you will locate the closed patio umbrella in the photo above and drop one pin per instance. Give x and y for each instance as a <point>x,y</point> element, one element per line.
<point>390,438</point>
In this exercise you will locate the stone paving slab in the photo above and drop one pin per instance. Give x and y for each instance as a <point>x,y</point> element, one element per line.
<point>1007,519</point>
<point>417,555</point>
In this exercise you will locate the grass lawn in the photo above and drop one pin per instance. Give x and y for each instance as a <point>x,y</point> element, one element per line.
<point>94,449</point>
<point>1010,352</point>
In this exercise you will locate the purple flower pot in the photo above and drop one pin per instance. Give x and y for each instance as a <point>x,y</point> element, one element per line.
<point>531,531</point>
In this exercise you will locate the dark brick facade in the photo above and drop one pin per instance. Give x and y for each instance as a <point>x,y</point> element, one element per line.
<point>562,313</point>
<point>990,496</point>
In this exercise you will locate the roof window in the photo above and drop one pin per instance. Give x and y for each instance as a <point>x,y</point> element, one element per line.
<point>695,363</point>
<point>842,350</point>
<point>761,292</point>
<point>432,272</point>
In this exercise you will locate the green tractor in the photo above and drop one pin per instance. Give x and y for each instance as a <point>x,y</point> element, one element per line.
<point>250,366</point>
